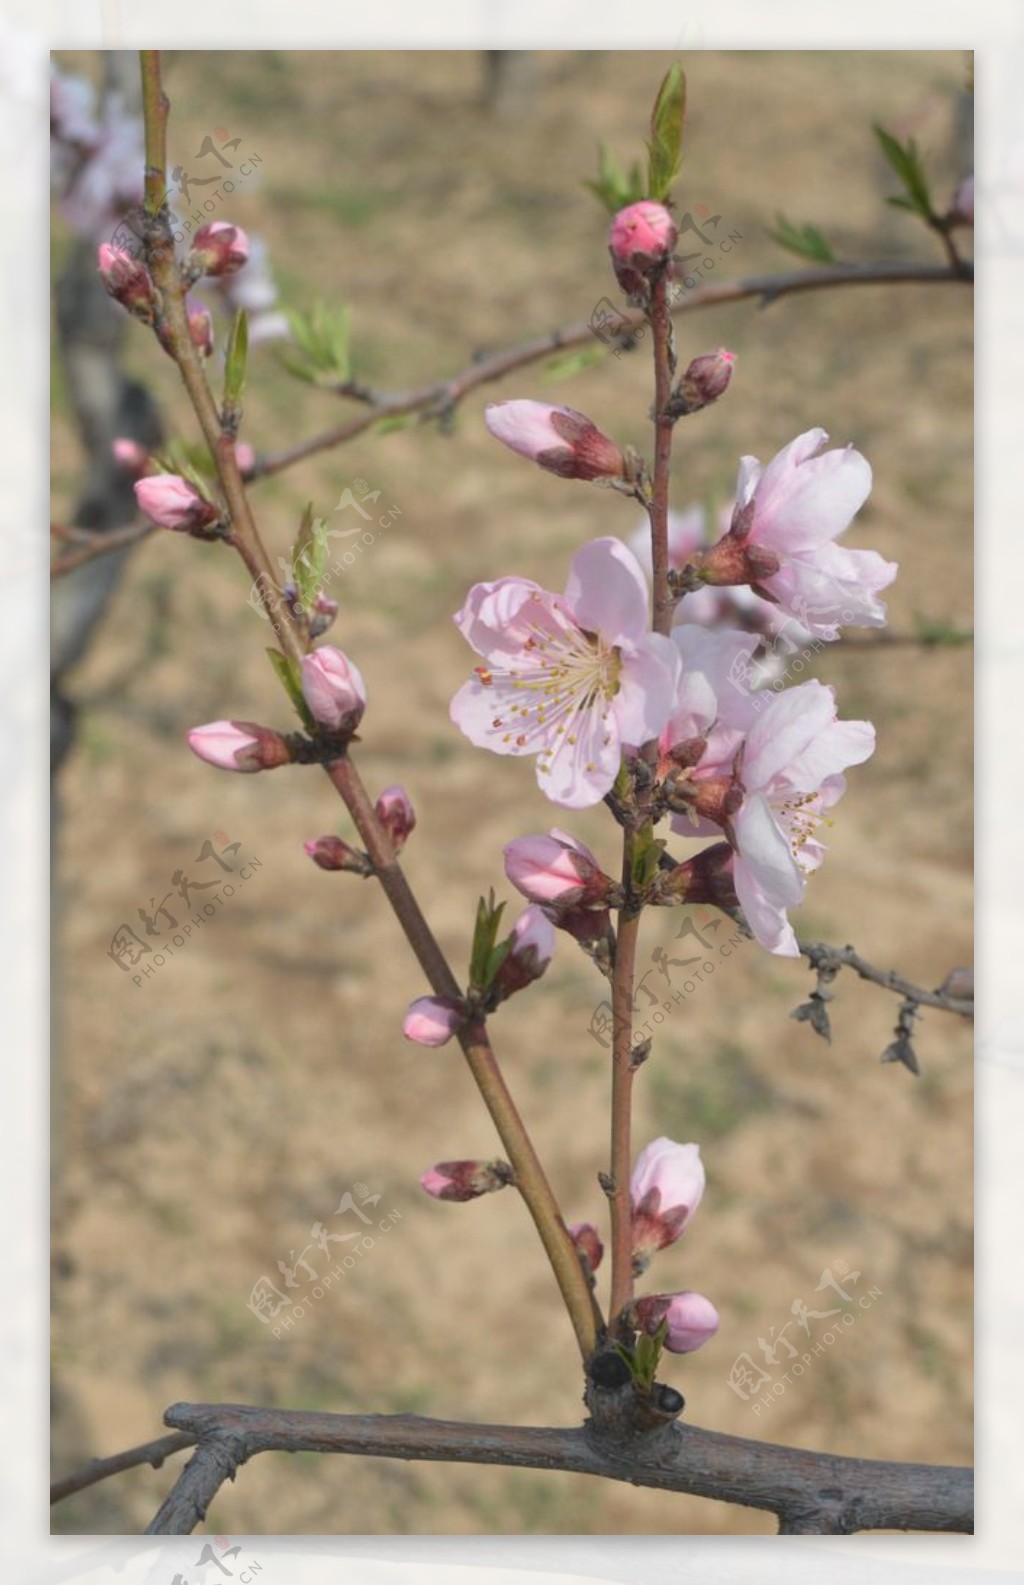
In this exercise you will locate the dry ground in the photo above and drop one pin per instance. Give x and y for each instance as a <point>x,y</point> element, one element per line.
<point>217,1112</point>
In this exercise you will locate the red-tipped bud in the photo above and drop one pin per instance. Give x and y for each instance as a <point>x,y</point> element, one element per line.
<point>640,239</point>
<point>705,380</point>
<point>466,1180</point>
<point>690,1319</point>
<point>128,281</point>
<point>171,502</point>
<point>557,438</point>
<point>218,249</point>
<point>432,1020</point>
<point>331,853</point>
<point>533,946</point>
<point>396,814</point>
<point>587,1243</point>
<point>556,870</point>
<point>239,745</point>
<point>706,878</point>
<point>665,1189</point>
<point>333,687</point>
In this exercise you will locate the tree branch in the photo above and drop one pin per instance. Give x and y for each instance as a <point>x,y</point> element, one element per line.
<point>442,396</point>
<point>99,1469</point>
<point>810,1492</point>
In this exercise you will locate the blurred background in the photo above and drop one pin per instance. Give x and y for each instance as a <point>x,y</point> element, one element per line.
<point>208,1118</point>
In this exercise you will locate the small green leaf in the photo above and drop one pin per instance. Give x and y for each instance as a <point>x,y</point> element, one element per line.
<point>569,363</point>
<point>647,851</point>
<point>320,355</point>
<point>613,187</point>
<point>664,149</point>
<point>905,161</point>
<point>235,363</point>
<point>290,679</point>
<point>486,958</point>
<point>396,421</point>
<point>805,240</point>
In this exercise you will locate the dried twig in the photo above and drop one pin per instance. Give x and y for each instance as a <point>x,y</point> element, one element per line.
<point>99,1469</point>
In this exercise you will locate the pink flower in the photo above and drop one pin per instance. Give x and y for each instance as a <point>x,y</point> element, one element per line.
<point>218,249</point>
<point>466,1180</point>
<point>705,379</point>
<point>171,502</point>
<point>554,869</point>
<point>665,1189</point>
<point>787,516</point>
<point>127,280</point>
<point>245,456</point>
<point>128,454</point>
<point>396,814</point>
<point>239,746</point>
<point>573,678</point>
<point>690,1318</point>
<point>587,1243</point>
<point>333,687</point>
<point>641,235</point>
<point>557,438</point>
<point>432,1020</point>
<point>200,329</point>
<point>791,768</point>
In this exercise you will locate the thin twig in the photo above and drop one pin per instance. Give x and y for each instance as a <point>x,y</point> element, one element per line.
<point>810,1492</point>
<point>99,1469</point>
<point>99,544</point>
<point>829,960</point>
<point>441,396</point>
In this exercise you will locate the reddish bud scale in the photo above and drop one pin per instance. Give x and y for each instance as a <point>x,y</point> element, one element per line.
<point>466,1180</point>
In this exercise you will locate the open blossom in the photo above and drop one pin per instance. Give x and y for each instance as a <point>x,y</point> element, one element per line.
<point>787,517</point>
<point>333,687</point>
<point>572,679</point>
<point>690,1319</point>
<point>554,869</point>
<point>557,438</point>
<point>665,1188</point>
<point>432,1020</point>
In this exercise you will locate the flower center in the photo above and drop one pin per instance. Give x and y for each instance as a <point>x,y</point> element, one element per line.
<point>800,816</point>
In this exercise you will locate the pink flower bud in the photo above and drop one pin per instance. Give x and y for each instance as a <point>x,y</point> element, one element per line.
<point>466,1180</point>
<point>245,456</point>
<point>129,455</point>
<point>331,853</point>
<point>691,1319</point>
<point>705,380</point>
<point>587,1243</point>
<point>333,688</point>
<point>533,946</point>
<point>665,1188</point>
<point>709,877</point>
<point>640,237</point>
<point>239,745</point>
<point>396,814</point>
<point>557,438</point>
<point>432,1020</point>
<point>218,249</point>
<point>200,329</point>
<point>171,502</point>
<point>128,281</point>
<point>963,202</point>
<point>554,869</point>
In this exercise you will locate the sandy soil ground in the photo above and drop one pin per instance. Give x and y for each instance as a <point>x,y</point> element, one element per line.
<point>218,1111</point>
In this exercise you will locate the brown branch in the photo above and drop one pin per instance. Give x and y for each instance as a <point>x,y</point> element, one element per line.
<point>441,396</point>
<point>99,1469</point>
<point>828,961</point>
<point>809,1492</point>
<point>97,544</point>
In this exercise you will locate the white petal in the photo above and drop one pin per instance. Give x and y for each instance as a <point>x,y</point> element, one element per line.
<point>607,591</point>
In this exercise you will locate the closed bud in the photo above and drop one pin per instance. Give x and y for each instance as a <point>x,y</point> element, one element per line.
<point>532,948</point>
<point>665,1190</point>
<point>129,455</point>
<point>171,502</point>
<point>705,380</point>
<point>466,1180</point>
<point>556,870</point>
<point>707,878</point>
<point>200,330</point>
<point>333,688</point>
<point>218,249</point>
<point>432,1020</point>
<point>689,1318</point>
<point>239,746</point>
<point>641,238</point>
<point>331,853</point>
<point>396,814</point>
<point>557,438</point>
<point>587,1244</point>
<point>128,281</point>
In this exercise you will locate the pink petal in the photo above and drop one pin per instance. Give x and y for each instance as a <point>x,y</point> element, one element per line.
<point>648,684</point>
<point>607,591</point>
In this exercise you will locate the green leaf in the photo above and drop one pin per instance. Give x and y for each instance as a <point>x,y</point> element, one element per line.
<point>485,958</point>
<point>613,187</point>
<point>395,421</point>
<point>647,851</point>
<point>805,240</point>
<point>320,355</point>
<point>290,679</point>
<point>235,362</point>
<point>309,556</point>
<point>569,363</point>
<point>905,161</point>
<point>664,149</point>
